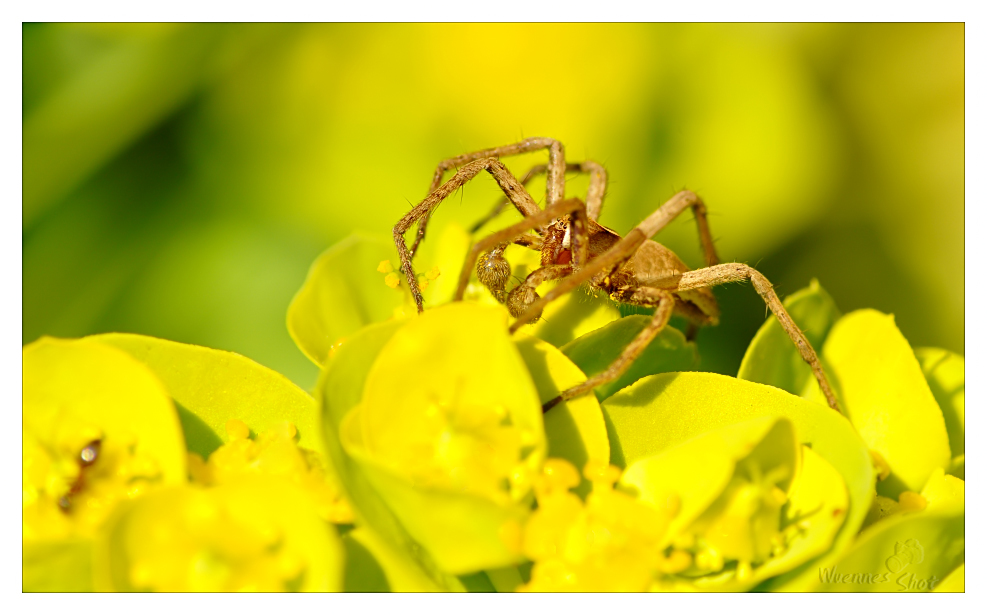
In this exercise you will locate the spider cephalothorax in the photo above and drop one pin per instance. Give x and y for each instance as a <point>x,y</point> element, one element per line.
<point>575,249</point>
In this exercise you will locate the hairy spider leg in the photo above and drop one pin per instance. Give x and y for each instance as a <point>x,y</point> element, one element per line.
<point>713,275</point>
<point>739,272</point>
<point>594,194</point>
<point>554,183</point>
<point>514,191</point>
<point>663,302</point>
<point>624,249</point>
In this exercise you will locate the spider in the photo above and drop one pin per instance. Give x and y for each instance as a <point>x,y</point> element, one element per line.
<point>576,250</point>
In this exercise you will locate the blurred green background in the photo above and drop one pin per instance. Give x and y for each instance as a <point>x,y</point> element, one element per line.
<point>180,179</point>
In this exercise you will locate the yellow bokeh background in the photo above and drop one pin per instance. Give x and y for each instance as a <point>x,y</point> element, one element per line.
<point>179,179</point>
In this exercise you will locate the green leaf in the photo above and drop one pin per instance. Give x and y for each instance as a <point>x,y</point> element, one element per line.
<point>572,316</point>
<point>343,293</point>
<point>595,351</point>
<point>907,552</point>
<point>477,582</point>
<point>957,467</point>
<point>505,580</point>
<point>945,373</point>
<point>886,397</point>
<point>214,386</point>
<point>660,411</point>
<point>363,573</point>
<point>773,359</point>
<point>575,429</point>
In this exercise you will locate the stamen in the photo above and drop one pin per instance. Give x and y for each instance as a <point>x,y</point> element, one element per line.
<point>237,429</point>
<point>880,464</point>
<point>560,474</point>
<point>911,501</point>
<point>601,471</point>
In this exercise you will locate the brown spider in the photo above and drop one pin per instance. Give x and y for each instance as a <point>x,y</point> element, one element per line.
<point>576,250</point>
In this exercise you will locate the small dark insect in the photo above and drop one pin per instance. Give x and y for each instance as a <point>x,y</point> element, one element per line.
<point>87,457</point>
<point>577,250</point>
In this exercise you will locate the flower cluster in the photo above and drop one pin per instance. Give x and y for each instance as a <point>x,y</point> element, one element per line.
<point>423,460</point>
<point>132,483</point>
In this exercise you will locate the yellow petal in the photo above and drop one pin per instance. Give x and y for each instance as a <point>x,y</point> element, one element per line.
<point>887,398</point>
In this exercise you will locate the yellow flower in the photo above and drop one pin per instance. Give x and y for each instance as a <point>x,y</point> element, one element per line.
<point>722,511</point>
<point>449,431</point>
<point>251,534</point>
<point>274,453</point>
<point>613,542</point>
<point>98,428</point>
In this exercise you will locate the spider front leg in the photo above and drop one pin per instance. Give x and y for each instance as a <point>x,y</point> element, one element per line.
<point>554,183</point>
<point>739,272</point>
<point>663,302</point>
<point>594,194</point>
<point>512,188</point>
